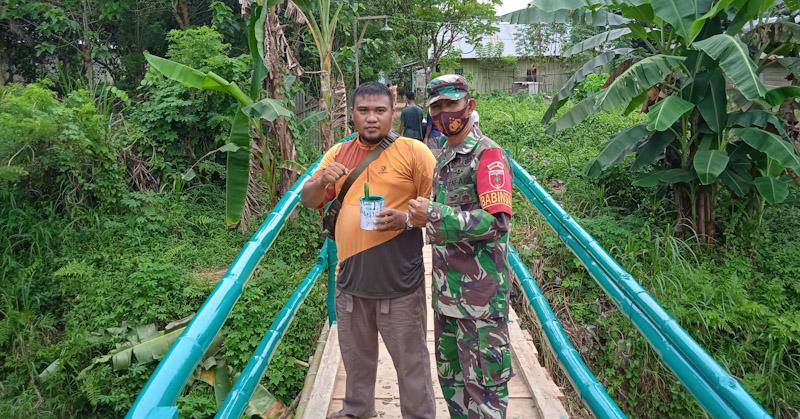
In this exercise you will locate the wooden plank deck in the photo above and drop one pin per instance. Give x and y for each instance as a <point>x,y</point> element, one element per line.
<point>532,393</point>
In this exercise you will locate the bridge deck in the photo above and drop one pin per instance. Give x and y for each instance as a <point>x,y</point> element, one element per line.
<point>532,393</point>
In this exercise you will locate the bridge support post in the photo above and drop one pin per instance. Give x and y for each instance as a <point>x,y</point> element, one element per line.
<point>333,260</point>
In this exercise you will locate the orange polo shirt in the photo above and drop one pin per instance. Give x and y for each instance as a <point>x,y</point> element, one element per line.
<point>380,264</point>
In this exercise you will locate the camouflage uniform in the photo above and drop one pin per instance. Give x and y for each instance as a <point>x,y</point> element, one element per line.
<point>469,219</point>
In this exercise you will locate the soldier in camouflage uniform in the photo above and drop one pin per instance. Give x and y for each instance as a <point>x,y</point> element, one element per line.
<point>468,220</point>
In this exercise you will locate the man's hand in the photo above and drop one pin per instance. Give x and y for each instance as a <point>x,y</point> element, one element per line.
<point>418,210</point>
<point>390,219</point>
<point>332,173</point>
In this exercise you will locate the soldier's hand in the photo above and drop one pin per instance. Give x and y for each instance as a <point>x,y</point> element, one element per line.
<point>390,219</point>
<point>418,211</point>
<point>332,173</point>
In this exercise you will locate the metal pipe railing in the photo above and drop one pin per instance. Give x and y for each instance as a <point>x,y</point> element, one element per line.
<point>333,262</point>
<point>161,391</point>
<point>719,393</point>
<point>236,401</point>
<point>591,391</point>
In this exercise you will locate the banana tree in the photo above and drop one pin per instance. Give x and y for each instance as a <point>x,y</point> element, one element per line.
<point>322,18</point>
<point>248,140</point>
<point>683,55</point>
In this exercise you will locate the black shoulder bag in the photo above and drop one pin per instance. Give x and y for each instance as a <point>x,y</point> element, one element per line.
<point>332,211</point>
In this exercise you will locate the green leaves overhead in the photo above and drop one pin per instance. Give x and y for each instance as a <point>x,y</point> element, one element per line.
<point>553,5</point>
<point>665,113</point>
<point>773,189</point>
<point>639,77</point>
<point>770,144</point>
<point>595,41</point>
<point>733,56</point>
<point>709,164</point>
<point>533,15</point>
<point>678,13</point>
<point>238,172</point>
<point>621,145</point>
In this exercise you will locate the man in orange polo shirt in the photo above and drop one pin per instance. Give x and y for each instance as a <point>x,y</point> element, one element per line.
<point>381,276</point>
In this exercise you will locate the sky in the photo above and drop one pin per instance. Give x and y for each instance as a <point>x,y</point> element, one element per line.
<point>511,5</point>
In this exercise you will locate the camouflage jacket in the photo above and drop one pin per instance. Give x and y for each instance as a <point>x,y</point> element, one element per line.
<point>469,219</point>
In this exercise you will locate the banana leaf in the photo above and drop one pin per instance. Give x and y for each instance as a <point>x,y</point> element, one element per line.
<point>620,146</point>
<point>666,112</point>
<point>553,5</point>
<point>638,78</point>
<point>149,349</point>
<point>779,95</point>
<point>713,106</point>
<point>665,177</point>
<point>310,120</point>
<point>574,115</point>
<point>566,91</point>
<point>652,149</point>
<point>734,58</point>
<point>792,65</point>
<point>238,169</point>
<point>533,14</point>
<point>197,79</point>
<point>255,43</point>
<point>681,14</point>
<point>738,182</point>
<point>595,41</point>
<point>755,118</point>
<point>773,189</point>
<point>709,164</point>
<point>267,109</point>
<point>770,144</point>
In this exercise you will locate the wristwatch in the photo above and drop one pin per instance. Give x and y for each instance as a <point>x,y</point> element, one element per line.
<point>409,226</point>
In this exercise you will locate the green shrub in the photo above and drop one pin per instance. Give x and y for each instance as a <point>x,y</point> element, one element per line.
<point>181,124</point>
<point>589,86</point>
<point>740,300</point>
<point>59,150</point>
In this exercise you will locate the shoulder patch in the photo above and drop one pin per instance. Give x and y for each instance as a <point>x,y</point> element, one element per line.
<point>494,181</point>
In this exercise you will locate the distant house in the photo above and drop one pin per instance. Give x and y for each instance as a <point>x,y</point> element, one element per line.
<point>496,63</point>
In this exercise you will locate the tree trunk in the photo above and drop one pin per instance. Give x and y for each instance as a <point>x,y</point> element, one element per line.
<point>86,48</point>
<point>325,104</point>
<point>277,62</point>
<point>695,217</point>
<point>706,230</point>
<point>180,11</point>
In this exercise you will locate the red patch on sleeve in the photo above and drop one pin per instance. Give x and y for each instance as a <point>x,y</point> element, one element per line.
<point>494,182</point>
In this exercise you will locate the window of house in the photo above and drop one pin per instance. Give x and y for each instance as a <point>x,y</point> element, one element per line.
<point>460,71</point>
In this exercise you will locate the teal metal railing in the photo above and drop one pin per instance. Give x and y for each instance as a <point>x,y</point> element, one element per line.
<point>236,401</point>
<point>719,393</point>
<point>591,391</point>
<point>157,398</point>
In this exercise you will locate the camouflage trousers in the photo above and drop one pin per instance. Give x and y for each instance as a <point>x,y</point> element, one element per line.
<point>473,359</point>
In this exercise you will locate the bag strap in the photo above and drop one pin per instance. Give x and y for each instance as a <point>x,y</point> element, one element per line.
<point>369,158</point>
<point>420,123</point>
